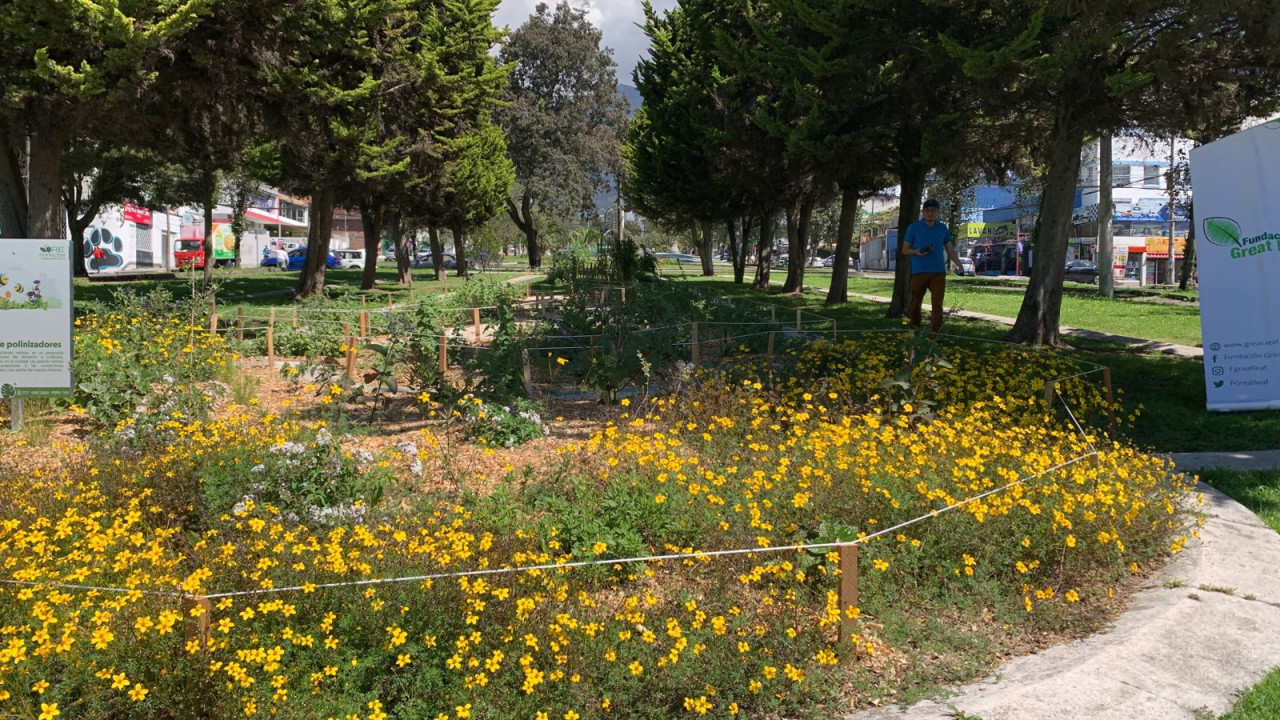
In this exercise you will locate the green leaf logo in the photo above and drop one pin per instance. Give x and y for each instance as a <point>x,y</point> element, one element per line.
<point>6,391</point>
<point>1222,231</point>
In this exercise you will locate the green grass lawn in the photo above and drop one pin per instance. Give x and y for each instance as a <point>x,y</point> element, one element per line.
<point>254,287</point>
<point>1132,317</point>
<point>1260,492</point>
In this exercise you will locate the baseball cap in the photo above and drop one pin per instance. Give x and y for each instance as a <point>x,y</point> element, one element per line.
<point>931,203</point>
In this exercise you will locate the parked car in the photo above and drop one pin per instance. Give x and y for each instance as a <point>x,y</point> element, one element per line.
<point>967,267</point>
<point>424,260</point>
<point>298,257</point>
<point>351,259</point>
<point>1085,271</point>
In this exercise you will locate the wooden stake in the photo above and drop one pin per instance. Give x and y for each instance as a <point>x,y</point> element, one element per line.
<point>213,324</point>
<point>769,352</point>
<point>271,339</point>
<point>527,371</point>
<point>528,289</point>
<point>1048,394</point>
<point>848,590</point>
<point>475,319</point>
<point>1111,410</point>
<point>388,299</point>
<point>364,323</point>
<point>350,342</point>
<point>197,628</point>
<point>295,317</point>
<point>799,319</point>
<point>695,352</point>
<point>624,295</point>
<point>240,324</point>
<point>833,328</point>
<point>773,313</point>
<point>444,354</point>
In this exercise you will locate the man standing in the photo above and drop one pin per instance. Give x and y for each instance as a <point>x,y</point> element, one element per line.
<point>925,241</point>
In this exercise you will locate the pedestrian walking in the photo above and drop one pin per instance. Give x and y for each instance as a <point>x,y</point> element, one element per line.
<point>925,242</point>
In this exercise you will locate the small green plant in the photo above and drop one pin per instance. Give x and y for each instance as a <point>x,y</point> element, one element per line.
<point>312,481</point>
<point>497,425</point>
<point>914,389</point>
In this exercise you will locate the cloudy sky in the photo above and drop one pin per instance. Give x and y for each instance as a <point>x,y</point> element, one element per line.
<point>617,19</point>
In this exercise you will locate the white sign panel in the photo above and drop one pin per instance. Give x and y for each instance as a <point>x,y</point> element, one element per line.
<point>1236,182</point>
<point>35,318</point>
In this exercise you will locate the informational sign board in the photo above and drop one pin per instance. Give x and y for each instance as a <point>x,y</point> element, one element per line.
<point>1119,259</point>
<point>1236,181</point>
<point>35,318</point>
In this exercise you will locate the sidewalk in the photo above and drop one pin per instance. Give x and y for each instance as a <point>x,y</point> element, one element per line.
<point>1201,631</point>
<point>1143,344</point>
<point>1238,461</point>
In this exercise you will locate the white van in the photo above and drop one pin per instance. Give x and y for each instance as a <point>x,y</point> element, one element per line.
<point>351,259</point>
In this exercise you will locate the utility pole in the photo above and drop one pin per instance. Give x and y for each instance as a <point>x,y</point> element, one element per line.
<point>1106,254</point>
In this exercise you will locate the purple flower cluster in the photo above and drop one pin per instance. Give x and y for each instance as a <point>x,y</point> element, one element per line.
<point>34,293</point>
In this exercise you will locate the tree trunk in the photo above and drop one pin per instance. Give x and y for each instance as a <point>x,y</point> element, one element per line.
<point>209,191</point>
<point>1188,267</point>
<point>764,250</point>
<point>1037,321</point>
<point>45,217</point>
<point>839,290</point>
<point>798,239</point>
<point>734,250</point>
<point>437,252</point>
<point>1106,244</point>
<point>13,190</point>
<point>908,212</point>
<point>523,218</point>
<point>459,249</point>
<point>705,248</point>
<point>79,222</point>
<point>403,258</point>
<point>312,280</point>
<point>371,219</point>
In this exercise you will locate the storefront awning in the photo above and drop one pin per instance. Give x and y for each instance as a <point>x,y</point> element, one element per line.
<point>262,217</point>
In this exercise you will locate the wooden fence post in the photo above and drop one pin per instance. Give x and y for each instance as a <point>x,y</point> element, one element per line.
<point>1111,410</point>
<point>528,289</point>
<point>833,328</point>
<point>695,352</point>
<point>623,290</point>
<point>527,372</point>
<point>444,354</point>
<point>240,324</point>
<point>213,324</point>
<point>364,323</point>
<point>769,352</point>
<point>271,339</point>
<point>475,320</point>
<point>848,589</point>
<point>773,314</point>
<point>389,304</point>
<point>295,317</point>
<point>799,319</point>
<point>197,628</point>
<point>1048,394</point>
<point>350,342</point>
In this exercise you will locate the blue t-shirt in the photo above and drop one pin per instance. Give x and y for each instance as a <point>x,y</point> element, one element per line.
<point>921,236</point>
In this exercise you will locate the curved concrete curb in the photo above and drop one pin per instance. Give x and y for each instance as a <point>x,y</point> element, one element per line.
<point>1190,641</point>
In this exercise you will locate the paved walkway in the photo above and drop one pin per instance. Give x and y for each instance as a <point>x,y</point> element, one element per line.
<point>1202,630</point>
<point>1238,461</point>
<point>1143,344</point>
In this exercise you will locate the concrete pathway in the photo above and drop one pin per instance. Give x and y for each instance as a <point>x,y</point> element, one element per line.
<point>1142,344</point>
<point>1202,630</point>
<point>1238,461</point>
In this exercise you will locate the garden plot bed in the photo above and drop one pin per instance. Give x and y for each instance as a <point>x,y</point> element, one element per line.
<point>275,551</point>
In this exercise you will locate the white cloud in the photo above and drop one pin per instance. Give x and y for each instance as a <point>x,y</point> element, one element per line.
<point>618,21</point>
